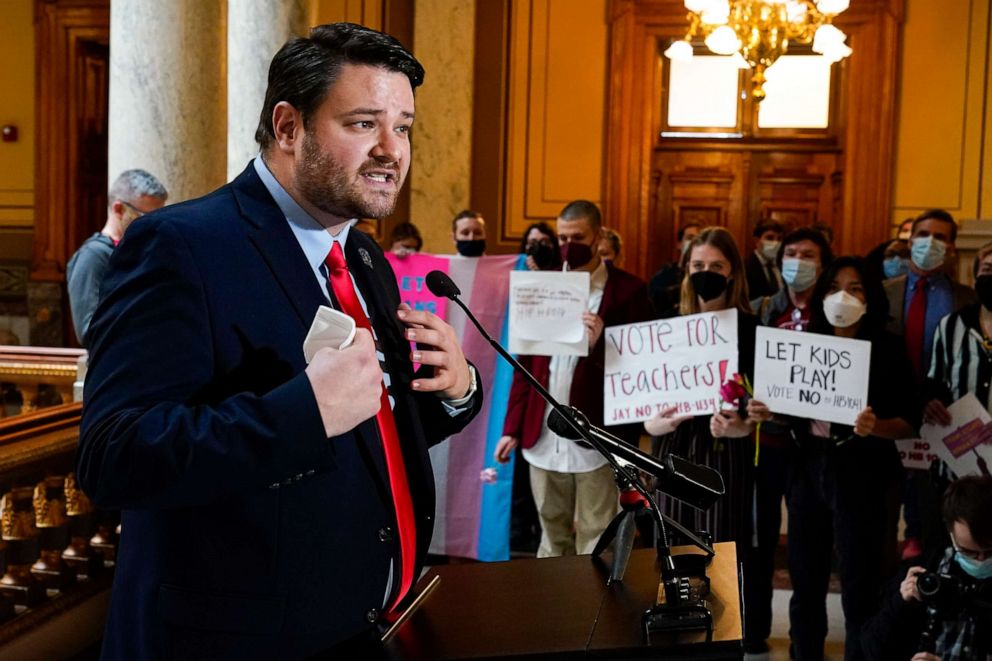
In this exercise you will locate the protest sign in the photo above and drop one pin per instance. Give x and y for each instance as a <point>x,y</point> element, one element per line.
<point>411,271</point>
<point>916,453</point>
<point>546,313</point>
<point>966,444</point>
<point>680,362</point>
<point>820,377</point>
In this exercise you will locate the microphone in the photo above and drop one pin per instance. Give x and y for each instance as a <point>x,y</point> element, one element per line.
<point>441,285</point>
<point>699,486</point>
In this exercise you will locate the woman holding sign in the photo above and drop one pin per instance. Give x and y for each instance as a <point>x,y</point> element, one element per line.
<point>714,280</point>
<point>840,476</point>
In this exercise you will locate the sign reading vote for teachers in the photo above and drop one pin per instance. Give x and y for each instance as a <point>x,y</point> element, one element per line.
<point>680,362</point>
<point>820,377</point>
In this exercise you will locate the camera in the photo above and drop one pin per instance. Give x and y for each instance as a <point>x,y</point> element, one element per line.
<point>948,594</point>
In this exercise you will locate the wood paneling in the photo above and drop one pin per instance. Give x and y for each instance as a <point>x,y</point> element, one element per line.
<point>72,54</point>
<point>844,179</point>
<point>556,113</point>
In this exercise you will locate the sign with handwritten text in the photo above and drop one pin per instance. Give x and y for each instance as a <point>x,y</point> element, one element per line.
<point>680,362</point>
<point>916,453</point>
<point>546,313</point>
<point>820,377</point>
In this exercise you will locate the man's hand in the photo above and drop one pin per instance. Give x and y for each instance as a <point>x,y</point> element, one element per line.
<point>505,448</point>
<point>864,424</point>
<point>729,424</point>
<point>758,411</point>
<point>908,589</point>
<point>664,421</point>
<point>451,376</point>
<point>347,384</point>
<point>936,413</point>
<point>594,327</point>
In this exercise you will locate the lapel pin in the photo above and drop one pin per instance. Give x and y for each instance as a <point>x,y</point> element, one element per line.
<point>366,257</point>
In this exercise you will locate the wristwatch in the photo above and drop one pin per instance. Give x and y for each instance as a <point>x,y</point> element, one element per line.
<point>472,386</point>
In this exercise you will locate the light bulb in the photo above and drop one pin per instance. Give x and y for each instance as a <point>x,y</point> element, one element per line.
<point>832,6</point>
<point>837,52</point>
<point>697,6</point>
<point>723,41</point>
<point>827,36</point>
<point>795,11</point>
<point>716,12</point>
<point>679,51</point>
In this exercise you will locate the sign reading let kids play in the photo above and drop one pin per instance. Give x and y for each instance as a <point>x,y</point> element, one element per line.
<point>820,377</point>
<point>680,362</point>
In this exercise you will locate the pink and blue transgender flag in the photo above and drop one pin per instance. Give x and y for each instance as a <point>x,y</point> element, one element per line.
<point>473,516</point>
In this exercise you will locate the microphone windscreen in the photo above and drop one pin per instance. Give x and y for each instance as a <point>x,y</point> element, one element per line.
<point>560,426</point>
<point>441,285</point>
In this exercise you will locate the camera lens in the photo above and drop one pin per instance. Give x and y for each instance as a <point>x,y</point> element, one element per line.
<point>928,584</point>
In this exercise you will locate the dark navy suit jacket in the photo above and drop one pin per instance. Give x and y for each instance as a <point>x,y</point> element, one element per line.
<point>246,532</point>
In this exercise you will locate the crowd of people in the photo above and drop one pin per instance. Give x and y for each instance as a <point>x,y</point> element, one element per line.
<point>842,486</point>
<point>235,432</point>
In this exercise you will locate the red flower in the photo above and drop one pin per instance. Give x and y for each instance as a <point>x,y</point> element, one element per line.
<point>733,390</point>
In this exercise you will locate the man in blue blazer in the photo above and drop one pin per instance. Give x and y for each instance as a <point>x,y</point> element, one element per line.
<point>258,516</point>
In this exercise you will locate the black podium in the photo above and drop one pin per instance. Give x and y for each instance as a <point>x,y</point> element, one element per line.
<point>561,608</point>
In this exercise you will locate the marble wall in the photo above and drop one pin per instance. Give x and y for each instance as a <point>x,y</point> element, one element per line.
<point>255,31</point>
<point>168,95</point>
<point>441,174</point>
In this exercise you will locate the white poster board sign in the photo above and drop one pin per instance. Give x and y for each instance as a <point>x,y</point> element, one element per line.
<point>546,313</point>
<point>966,444</point>
<point>916,453</point>
<point>820,377</point>
<point>679,362</point>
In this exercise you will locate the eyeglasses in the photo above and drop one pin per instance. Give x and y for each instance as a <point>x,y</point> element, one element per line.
<point>138,213</point>
<point>973,554</point>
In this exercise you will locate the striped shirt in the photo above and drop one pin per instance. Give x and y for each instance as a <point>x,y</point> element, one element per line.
<point>961,362</point>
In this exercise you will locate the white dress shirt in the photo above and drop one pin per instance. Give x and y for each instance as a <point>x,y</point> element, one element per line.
<point>553,452</point>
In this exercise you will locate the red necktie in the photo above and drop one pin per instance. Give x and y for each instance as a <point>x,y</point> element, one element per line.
<point>915,327</point>
<point>344,292</point>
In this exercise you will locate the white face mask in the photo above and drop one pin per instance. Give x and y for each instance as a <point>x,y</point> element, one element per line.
<point>842,309</point>
<point>769,249</point>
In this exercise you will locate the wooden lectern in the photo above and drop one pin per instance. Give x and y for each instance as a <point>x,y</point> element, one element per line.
<point>562,608</point>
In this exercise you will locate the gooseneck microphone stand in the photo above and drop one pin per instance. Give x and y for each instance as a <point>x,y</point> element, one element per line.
<point>679,612</point>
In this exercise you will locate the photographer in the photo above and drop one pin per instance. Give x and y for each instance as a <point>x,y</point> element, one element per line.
<point>951,602</point>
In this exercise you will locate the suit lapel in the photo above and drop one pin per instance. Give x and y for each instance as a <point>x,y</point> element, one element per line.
<point>273,238</point>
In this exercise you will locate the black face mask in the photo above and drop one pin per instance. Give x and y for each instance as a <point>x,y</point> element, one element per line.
<point>576,254</point>
<point>543,254</point>
<point>708,285</point>
<point>470,247</point>
<point>983,287</point>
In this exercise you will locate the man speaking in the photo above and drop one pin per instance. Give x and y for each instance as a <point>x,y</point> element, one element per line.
<point>270,508</point>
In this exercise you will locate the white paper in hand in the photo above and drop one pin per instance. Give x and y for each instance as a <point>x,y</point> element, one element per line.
<point>330,328</point>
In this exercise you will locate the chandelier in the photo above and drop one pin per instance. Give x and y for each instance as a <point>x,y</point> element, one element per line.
<point>758,32</point>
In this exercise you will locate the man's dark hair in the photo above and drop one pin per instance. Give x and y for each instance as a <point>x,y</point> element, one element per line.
<point>969,500</point>
<point>767,225</point>
<point>304,69</point>
<point>464,213</point>
<point>681,232</point>
<point>937,214</point>
<point>807,234</point>
<point>579,209</point>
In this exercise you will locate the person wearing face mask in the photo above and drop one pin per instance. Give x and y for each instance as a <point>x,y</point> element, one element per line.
<point>468,231</point>
<point>805,252</point>
<point>405,239</point>
<point>715,280</point>
<point>965,635</point>
<point>611,246</point>
<point>917,303</point>
<point>839,477</point>
<point>540,244</point>
<point>763,275</point>
<point>573,487</point>
<point>665,286</point>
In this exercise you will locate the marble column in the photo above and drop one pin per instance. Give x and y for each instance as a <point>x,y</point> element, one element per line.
<point>441,173</point>
<point>168,101</point>
<point>255,31</point>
